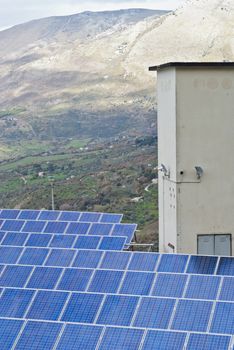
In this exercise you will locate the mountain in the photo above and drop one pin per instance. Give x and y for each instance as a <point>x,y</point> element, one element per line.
<point>87,75</point>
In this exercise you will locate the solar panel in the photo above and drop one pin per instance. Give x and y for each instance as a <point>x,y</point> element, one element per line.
<point>169,285</point>
<point>172,263</point>
<point>38,240</point>
<point>105,281</point>
<point>15,276</point>
<point>9,213</point>
<point>69,216</point>
<point>87,259</point>
<point>14,238</point>
<point>208,342</point>
<point>127,230</point>
<point>121,338</point>
<point>202,264</point>
<point>9,330</point>
<point>14,302</point>
<point>203,287</point>
<point>29,215</point>
<point>227,291</point>
<point>138,283</point>
<point>143,262</point>
<point>44,278</point>
<point>56,227</point>
<point>63,241</point>
<point>111,218</point>
<point>112,243</point>
<point>58,257</point>
<point>9,255</point>
<point>162,340</point>
<point>48,215</point>
<point>34,226</point>
<point>226,266</point>
<point>90,217</point>
<point>223,320</point>
<point>34,256</point>
<point>115,260</point>
<point>75,279</point>
<point>101,229</point>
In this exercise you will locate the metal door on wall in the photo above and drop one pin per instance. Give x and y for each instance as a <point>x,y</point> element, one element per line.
<point>218,244</point>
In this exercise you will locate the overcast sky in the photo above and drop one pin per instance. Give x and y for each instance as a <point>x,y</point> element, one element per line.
<point>18,11</point>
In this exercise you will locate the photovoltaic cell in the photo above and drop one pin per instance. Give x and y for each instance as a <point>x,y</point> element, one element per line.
<point>90,217</point>
<point>69,216</point>
<point>172,263</point>
<point>87,242</point>
<point>15,238</point>
<point>34,256</point>
<point>203,287</point>
<point>9,255</point>
<point>29,214</point>
<point>192,315</point>
<point>47,305</point>
<point>111,218</point>
<point>115,260</point>
<point>138,283</point>
<point>12,225</point>
<point>121,338</point>
<point>112,243</point>
<point>118,310</point>
<point>127,230</point>
<point>80,337</point>
<point>105,281</point>
<point>14,302</point>
<point>82,308</point>
<point>143,262</point>
<point>44,278</point>
<point>60,257</point>
<point>226,266</point>
<point>34,226</point>
<point>9,330</point>
<point>154,313</point>
<point>80,228</point>
<point>49,215</point>
<point>227,291</point>
<point>87,259</point>
<point>9,214</point>
<point>169,285</point>
<point>38,240</point>
<point>162,340</point>
<point>63,241</point>
<point>100,229</point>
<point>15,276</point>
<point>202,264</point>
<point>223,320</point>
<point>55,227</point>
<point>38,335</point>
<point>208,342</point>
<point>75,279</point>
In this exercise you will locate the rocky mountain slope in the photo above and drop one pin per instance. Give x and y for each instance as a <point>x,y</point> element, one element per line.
<point>87,75</point>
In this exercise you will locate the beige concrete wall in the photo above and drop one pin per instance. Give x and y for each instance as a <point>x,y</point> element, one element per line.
<point>196,129</point>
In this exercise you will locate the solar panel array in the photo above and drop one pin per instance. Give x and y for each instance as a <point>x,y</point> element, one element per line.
<point>58,296</point>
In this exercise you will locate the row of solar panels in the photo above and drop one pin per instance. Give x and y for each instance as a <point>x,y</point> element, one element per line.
<point>34,335</point>
<point>80,278</point>
<point>54,215</point>
<point>212,317</point>
<point>63,227</point>
<point>117,260</point>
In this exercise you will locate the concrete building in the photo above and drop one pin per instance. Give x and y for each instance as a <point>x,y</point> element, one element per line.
<point>196,157</point>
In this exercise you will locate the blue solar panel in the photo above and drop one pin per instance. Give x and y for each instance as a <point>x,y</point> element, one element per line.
<point>118,310</point>
<point>60,257</point>
<point>192,315</point>
<point>162,340</point>
<point>80,337</point>
<point>15,238</point>
<point>9,330</point>
<point>82,308</point>
<point>169,285</point>
<point>9,214</point>
<point>69,216</point>
<point>172,263</point>
<point>223,320</point>
<point>226,267</point>
<point>44,278</point>
<point>154,313</point>
<point>100,229</point>
<point>143,262</point>
<point>203,287</point>
<point>12,225</point>
<point>112,243</point>
<point>29,214</point>
<point>115,260</point>
<point>227,291</point>
<point>34,226</point>
<point>87,242</point>
<point>90,217</point>
<point>105,281</point>
<point>63,241</point>
<point>87,259</point>
<point>55,227</point>
<point>75,279</point>
<point>138,283</point>
<point>9,255</point>
<point>127,230</point>
<point>14,302</point>
<point>2,234</point>
<point>38,240</point>
<point>34,256</point>
<point>49,215</point>
<point>111,218</point>
<point>202,264</point>
<point>121,339</point>
<point>208,342</point>
<point>15,276</point>
<point>80,228</point>
<point>47,305</point>
<point>38,335</point>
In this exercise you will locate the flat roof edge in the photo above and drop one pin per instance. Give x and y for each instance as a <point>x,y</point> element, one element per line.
<point>191,64</point>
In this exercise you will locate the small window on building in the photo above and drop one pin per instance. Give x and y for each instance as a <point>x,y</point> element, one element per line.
<point>214,244</point>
